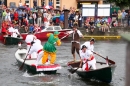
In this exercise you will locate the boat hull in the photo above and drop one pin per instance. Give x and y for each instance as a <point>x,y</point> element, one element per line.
<point>33,70</point>
<point>43,35</point>
<point>29,63</point>
<point>11,40</point>
<point>102,74</point>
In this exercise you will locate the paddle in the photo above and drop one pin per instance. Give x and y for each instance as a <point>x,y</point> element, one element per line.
<point>78,68</point>
<point>21,67</point>
<point>110,61</point>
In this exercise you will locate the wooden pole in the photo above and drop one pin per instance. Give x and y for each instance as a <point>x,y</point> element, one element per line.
<point>66,18</point>
<point>128,65</point>
<point>127,37</point>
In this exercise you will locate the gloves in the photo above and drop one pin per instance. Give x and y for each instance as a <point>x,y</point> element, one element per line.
<point>32,42</point>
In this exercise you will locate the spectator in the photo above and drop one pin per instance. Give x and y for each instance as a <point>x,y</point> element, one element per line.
<point>34,4</point>
<point>20,3</point>
<point>124,14</point>
<point>31,28</point>
<point>119,17</point>
<point>50,3</point>
<point>114,15</point>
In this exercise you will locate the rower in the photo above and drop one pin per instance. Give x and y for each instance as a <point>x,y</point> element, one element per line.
<point>87,59</point>
<point>37,48</point>
<point>29,38</point>
<point>10,30</point>
<point>89,44</point>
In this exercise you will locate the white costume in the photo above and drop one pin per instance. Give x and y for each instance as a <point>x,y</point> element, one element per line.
<point>11,30</point>
<point>87,44</point>
<point>29,39</point>
<point>84,57</point>
<point>16,33</point>
<point>37,48</point>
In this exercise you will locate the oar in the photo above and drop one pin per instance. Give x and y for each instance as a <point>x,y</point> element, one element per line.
<point>77,68</point>
<point>21,67</point>
<point>110,61</point>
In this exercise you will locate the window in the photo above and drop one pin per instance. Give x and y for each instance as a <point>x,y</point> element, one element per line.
<point>49,28</point>
<point>57,28</point>
<point>57,6</point>
<point>57,3</point>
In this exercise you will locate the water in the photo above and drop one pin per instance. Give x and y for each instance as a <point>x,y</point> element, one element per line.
<point>11,76</point>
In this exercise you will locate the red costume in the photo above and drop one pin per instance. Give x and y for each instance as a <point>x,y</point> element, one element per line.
<point>4,28</point>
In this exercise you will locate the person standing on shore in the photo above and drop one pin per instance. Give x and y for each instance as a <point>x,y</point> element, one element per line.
<point>76,34</point>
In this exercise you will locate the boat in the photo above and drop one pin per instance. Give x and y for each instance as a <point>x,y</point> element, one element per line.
<point>103,72</point>
<point>8,40</point>
<point>42,34</point>
<point>20,56</point>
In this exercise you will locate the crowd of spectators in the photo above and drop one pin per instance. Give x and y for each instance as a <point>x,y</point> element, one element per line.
<point>35,19</point>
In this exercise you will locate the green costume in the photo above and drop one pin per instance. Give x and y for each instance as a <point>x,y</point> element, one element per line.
<point>49,46</point>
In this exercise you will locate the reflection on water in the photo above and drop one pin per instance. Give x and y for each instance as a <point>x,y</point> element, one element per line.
<point>9,72</point>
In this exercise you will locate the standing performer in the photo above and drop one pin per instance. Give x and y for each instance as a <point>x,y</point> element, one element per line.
<point>76,34</point>
<point>89,44</point>
<point>87,59</point>
<point>37,48</point>
<point>49,47</point>
<point>29,39</point>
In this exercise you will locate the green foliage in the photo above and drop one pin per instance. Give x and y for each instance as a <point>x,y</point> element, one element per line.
<point>120,3</point>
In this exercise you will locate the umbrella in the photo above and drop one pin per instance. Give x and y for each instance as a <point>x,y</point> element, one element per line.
<point>48,7</point>
<point>22,7</point>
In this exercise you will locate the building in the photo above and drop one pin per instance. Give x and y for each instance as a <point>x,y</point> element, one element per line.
<point>56,3</point>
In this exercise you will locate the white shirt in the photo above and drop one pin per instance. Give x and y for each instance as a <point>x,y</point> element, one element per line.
<point>36,46</point>
<point>79,33</point>
<point>11,29</point>
<point>20,4</point>
<point>87,44</point>
<point>46,24</point>
<point>85,55</point>
<point>29,38</point>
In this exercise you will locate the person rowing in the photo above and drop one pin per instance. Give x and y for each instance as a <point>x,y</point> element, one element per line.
<point>89,44</point>
<point>38,49</point>
<point>87,59</point>
<point>29,38</point>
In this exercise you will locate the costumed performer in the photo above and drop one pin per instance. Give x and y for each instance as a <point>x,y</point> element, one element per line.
<point>38,49</point>
<point>49,47</point>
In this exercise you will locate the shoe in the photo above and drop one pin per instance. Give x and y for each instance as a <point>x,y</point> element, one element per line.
<point>52,64</point>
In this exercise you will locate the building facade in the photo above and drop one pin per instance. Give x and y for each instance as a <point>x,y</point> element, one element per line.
<point>55,3</point>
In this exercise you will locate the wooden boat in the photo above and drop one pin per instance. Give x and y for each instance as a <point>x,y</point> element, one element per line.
<point>8,40</point>
<point>103,72</point>
<point>29,64</point>
<point>42,35</point>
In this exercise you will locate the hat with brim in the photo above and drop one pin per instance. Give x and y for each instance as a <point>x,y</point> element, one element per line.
<point>83,47</point>
<point>56,33</point>
<point>92,40</point>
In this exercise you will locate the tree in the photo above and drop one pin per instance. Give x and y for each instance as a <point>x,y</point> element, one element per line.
<point>120,3</point>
